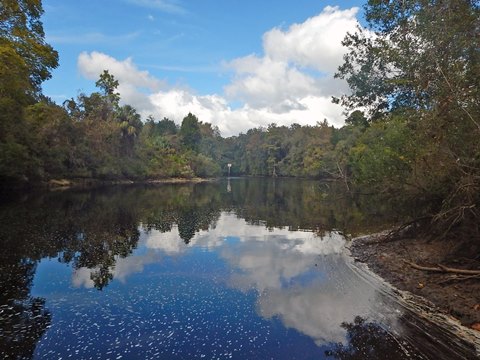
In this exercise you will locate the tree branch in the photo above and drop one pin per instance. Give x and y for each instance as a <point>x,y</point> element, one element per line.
<point>442,269</point>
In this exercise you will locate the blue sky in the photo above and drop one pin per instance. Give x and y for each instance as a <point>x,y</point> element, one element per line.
<point>235,63</point>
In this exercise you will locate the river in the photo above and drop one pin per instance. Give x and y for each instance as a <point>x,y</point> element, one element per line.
<point>231,269</point>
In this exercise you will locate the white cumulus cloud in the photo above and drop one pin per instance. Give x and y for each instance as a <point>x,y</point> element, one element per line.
<point>266,83</point>
<point>291,82</point>
<point>91,65</point>
<point>133,82</point>
<point>315,43</point>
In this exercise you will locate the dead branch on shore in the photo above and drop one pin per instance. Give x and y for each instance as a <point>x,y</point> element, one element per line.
<point>443,269</point>
<point>397,233</point>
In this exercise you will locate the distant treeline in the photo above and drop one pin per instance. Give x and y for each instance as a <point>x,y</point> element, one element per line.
<point>93,136</point>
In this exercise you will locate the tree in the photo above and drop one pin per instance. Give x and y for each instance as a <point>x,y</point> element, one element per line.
<point>190,132</point>
<point>108,84</point>
<point>25,61</point>
<point>423,54</point>
<point>52,136</point>
<point>14,77</point>
<point>422,67</point>
<point>167,127</point>
<point>130,127</point>
<point>22,31</point>
<point>357,118</point>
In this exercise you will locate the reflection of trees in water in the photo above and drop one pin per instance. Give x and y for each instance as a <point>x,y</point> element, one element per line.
<point>187,224</point>
<point>367,340</point>
<point>92,229</point>
<point>191,221</point>
<point>88,230</point>
<point>309,205</point>
<point>23,319</point>
<point>23,322</point>
<point>103,241</point>
<point>191,211</point>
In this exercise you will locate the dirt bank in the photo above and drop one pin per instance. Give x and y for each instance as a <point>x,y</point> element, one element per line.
<point>457,295</point>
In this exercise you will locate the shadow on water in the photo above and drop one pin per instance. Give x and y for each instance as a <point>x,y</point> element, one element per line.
<point>97,232</point>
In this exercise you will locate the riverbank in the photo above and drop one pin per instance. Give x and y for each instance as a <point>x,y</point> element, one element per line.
<point>403,262</point>
<point>60,184</point>
<point>90,183</point>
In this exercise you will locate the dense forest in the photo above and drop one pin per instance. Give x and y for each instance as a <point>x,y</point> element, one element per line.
<point>412,124</point>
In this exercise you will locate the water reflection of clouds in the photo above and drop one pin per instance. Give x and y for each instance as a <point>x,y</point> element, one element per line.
<point>296,281</point>
<point>319,308</point>
<point>124,267</point>
<point>82,278</point>
<point>269,259</point>
<point>266,264</point>
<point>169,242</point>
<point>229,225</point>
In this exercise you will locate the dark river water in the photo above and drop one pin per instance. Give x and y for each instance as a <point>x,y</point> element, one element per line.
<point>238,269</point>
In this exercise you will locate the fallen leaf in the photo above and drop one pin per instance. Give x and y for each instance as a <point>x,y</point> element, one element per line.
<point>476,326</point>
<point>476,307</point>
<point>420,286</point>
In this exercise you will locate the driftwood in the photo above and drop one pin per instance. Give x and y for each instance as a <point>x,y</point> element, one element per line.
<point>443,269</point>
<point>395,233</point>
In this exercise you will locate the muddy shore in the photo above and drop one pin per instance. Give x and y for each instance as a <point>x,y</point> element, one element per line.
<point>454,295</point>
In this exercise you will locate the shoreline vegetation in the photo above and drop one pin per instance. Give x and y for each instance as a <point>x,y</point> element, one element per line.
<point>411,136</point>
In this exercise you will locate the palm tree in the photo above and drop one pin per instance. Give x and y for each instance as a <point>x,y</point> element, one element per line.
<point>130,125</point>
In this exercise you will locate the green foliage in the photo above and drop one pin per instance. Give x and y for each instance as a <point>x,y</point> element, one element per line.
<point>14,76</point>
<point>166,127</point>
<point>108,84</point>
<point>204,166</point>
<point>22,31</point>
<point>25,61</point>
<point>382,157</point>
<point>422,54</point>
<point>15,162</point>
<point>50,137</point>
<point>357,119</point>
<point>190,132</point>
<point>130,126</point>
<point>280,151</point>
<point>418,80</point>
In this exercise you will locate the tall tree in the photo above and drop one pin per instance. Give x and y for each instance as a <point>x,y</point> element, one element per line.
<point>190,132</point>
<point>22,30</point>
<point>25,61</point>
<point>130,127</point>
<point>419,63</point>
<point>416,54</point>
<point>108,84</point>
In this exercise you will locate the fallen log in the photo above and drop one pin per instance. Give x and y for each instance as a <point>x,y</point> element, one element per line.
<point>442,269</point>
